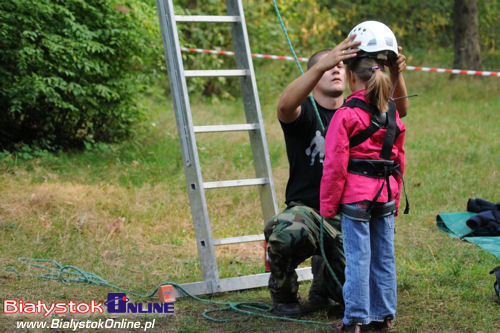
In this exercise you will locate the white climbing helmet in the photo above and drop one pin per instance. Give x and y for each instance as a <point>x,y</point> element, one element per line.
<point>377,40</point>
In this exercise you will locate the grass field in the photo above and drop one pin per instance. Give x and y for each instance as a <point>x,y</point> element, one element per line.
<point>121,211</point>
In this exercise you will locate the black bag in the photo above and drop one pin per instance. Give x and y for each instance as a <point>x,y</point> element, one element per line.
<point>496,285</point>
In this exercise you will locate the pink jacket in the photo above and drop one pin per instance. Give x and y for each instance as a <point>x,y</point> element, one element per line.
<point>337,185</point>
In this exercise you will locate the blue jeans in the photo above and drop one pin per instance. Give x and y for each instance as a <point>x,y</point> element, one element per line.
<point>370,289</point>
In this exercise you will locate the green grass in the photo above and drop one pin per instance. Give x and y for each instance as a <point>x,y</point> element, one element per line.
<point>121,211</point>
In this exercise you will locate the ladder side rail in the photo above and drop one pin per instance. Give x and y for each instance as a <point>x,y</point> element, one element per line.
<point>187,140</point>
<point>253,114</point>
<point>239,283</point>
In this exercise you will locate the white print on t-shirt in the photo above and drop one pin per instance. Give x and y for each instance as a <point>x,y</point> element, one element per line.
<point>316,147</point>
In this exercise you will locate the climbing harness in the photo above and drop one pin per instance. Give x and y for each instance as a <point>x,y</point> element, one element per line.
<point>378,169</point>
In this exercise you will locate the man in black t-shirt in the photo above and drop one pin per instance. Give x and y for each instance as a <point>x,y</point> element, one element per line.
<point>294,234</point>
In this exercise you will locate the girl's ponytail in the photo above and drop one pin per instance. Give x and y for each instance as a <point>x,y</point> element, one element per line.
<point>379,88</point>
<point>379,85</point>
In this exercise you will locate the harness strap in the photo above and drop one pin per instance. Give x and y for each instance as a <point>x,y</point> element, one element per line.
<point>390,135</point>
<point>407,207</point>
<point>374,200</point>
<point>387,181</point>
<point>360,214</point>
<point>371,129</point>
<point>379,169</point>
<point>377,122</point>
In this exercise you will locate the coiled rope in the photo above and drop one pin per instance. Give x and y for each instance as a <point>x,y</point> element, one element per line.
<point>70,274</point>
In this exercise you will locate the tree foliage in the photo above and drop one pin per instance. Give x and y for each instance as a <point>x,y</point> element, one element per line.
<point>419,26</point>
<point>70,70</point>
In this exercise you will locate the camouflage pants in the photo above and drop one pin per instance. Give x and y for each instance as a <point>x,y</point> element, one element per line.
<point>292,237</point>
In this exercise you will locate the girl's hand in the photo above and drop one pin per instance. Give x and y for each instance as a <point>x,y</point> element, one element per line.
<point>400,64</point>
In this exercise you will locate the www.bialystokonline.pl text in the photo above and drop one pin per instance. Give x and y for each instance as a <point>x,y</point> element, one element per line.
<point>74,324</point>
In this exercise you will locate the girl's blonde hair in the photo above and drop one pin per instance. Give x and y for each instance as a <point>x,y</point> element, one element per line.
<point>378,83</point>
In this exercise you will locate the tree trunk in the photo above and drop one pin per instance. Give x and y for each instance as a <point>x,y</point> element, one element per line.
<point>466,30</point>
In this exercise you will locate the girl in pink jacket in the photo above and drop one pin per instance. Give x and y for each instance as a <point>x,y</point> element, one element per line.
<point>362,179</point>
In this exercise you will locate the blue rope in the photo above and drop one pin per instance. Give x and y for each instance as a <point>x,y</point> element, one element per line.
<point>70,274</point>
<point>311,97</point>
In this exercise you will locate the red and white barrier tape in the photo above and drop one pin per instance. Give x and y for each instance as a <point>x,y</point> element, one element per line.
<point>452,71</point>
<point>410,68</point>
<point>255,55</point>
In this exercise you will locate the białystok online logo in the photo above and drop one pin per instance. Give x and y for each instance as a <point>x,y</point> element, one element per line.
<point>116,303</point>
<point>120,303</point>
<point>12,306</point>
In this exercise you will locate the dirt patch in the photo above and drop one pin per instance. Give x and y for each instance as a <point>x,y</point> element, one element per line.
<point>246,252</point>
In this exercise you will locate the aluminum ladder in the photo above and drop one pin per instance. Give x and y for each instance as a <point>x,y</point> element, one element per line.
<point>195,185</point>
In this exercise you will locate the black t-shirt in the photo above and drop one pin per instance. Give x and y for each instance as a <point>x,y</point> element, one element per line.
<point>305,147</point>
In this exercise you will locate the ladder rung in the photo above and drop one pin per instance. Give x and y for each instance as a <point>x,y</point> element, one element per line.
<point>207,18</point>
<point>225,128</point>
<point>239,182</point>
<point>217,72</point>
<point>240,239</point>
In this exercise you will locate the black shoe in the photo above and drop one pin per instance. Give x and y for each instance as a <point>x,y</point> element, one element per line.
<point>318,300</point>
<point>287,309</point>
<point>317,297</point>
<point>384,326</point>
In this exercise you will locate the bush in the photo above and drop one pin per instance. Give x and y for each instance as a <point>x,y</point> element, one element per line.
<point>71,70</point>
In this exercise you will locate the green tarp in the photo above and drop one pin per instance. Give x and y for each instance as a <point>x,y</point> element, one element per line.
<point>454,224</point>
